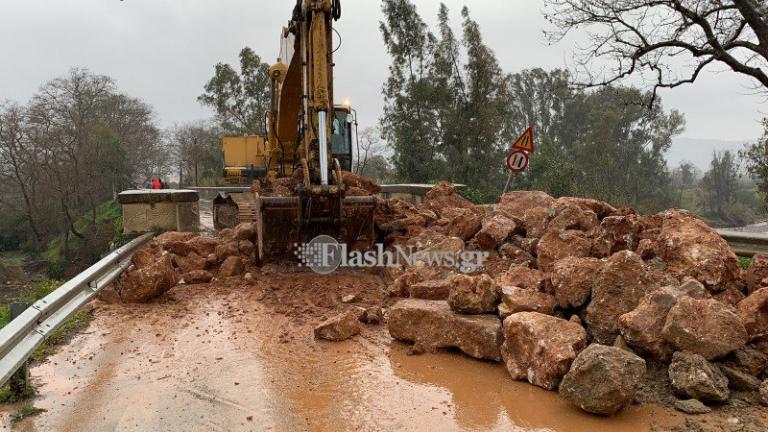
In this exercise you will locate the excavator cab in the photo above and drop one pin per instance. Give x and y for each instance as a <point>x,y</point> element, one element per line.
<point>342,136</point>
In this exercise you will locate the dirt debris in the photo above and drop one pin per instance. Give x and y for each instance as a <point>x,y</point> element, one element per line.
<point>570,273</point>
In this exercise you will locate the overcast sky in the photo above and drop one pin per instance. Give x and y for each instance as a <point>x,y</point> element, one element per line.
<point>163,51</point>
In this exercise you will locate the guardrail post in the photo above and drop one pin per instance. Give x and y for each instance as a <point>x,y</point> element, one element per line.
<point>19,382</point>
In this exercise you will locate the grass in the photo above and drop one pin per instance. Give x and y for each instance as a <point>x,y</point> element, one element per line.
<point>25,412</point>
<point>745,262</point>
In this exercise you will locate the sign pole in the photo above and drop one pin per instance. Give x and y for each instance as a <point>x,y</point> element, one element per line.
<point>506,186</point>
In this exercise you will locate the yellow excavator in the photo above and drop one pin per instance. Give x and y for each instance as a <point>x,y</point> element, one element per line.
<point>308,139</point>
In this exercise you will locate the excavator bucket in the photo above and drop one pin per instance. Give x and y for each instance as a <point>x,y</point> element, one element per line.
<point>282,222</point>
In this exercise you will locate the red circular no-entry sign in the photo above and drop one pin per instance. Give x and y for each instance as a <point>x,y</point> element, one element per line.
<point>517,161</point>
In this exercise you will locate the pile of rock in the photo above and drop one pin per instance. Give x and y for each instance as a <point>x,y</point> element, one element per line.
<point>578,295</point>
<point>175,257</point>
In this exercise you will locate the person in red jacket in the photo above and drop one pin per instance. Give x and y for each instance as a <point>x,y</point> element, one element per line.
<point>156,183</point>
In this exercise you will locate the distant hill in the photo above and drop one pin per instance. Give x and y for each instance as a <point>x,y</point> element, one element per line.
<point>699,151</point>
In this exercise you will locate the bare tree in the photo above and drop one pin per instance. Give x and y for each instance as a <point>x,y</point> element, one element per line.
<point>197,152</point>
<point>370,146</point>
<point>672,40</point>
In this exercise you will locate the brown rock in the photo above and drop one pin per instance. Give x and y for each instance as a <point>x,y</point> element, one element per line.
<point>525,300</point>
<point>494,231</point>
<point>367,184</point>
<point>516,254</point>
<point>603,380</point>
<point>540,348</point>
<point>232,266</point>
<point>246,248</point>
<point>739,380</point>
<point>228,249</point>
<point>444,196</point>
<point>573,218</point>
<point>749,360</point>
<point>556,245</point>
<point>372,315</point>
<point>517,202</point>
<point>339,328</point>
<point>473,294</point>
<point>692,406</point>
<point>177,248</point>
<point>436,289</point>
<point>211,260</point>
<point>764,393</point>
<point>705,327</point>
<point>572,280</point>
<point>693,376</point>
<point>691,248</point>
<point>432,324</point>
<point>465,223</point>
<point>623,280</point>
<point>536,221</point>
<point>204,246</point>
<point>757,273</point>
<point>451,245</point>
<point>730,296</point>
<point>141,284</point>
<point>600,208</point>
<point>522,277</point>
<point>642,328</point>
<point>197,277</point>
<point>504,311</point>
<point>245,231</point>
<point>753,312</point>
<point>189,263</point>
<point>617,233</point>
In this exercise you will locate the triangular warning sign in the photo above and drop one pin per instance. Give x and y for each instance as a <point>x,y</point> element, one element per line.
<point>525,142</point>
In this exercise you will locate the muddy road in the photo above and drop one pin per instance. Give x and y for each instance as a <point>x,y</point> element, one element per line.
<point>241,356</point>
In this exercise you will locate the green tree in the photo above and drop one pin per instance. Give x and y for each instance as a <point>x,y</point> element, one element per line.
<point>721,184</point>
<point>410,121</point>
<point>240,99</point>
<point>756,157</point>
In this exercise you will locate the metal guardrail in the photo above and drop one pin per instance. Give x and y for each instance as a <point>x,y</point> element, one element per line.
<point>20,338</point>
<point>746,243</point>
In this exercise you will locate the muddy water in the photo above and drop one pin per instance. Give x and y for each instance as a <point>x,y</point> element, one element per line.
<point>219,360</point>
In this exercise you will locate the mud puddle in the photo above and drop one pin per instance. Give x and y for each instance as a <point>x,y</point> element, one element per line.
<point>242,357</point>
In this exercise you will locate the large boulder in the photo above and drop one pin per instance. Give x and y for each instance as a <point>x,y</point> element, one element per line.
<point>573,218</point>
<point>432,324</point>
<point>435,289</point>
<point>197,277</point>
<point>522,277</point>
<point>692,376</point>
<point>516,254</point>
<point>191,262</point>
<point>556,245</point>
<point>444,196</point>
<point>151,275</point>
<point>764,393</point>
<point>494,231</point>
<point>691,248</point>
<point>517,202</point>
<point>623,280</point>
<point>705,327</point>
<point>572,279</point>
<point>525,300</point>
<point>227,249</point>
<point>464,222</point>
<point>232,266</point>
<point>603,380</point>
<point>473,294</point>
<point>540,348</point>
<point>536,221</point>
<point>749,360</point>
<point>757,273</point>
<point>739,380</point>
<point>753,312</point>
<point>245,231</point>
<point>367,184</point>
<point>204,246</point>
<point>642,328</point>
<point>340,327</point>
<point>602,209</point>
<point>617,233</point>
